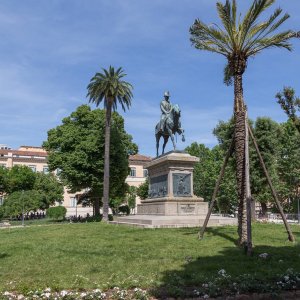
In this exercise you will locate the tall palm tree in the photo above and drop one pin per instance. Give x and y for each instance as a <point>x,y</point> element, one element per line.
<point>238,40</point>
<point>111,89</point>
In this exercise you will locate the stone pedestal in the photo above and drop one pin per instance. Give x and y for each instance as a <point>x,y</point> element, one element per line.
<point>171,187</point>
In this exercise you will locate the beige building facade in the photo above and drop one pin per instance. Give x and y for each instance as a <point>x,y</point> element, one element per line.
<point>36,159</point>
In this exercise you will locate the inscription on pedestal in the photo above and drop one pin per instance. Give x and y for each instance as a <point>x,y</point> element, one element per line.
<point>158,186</point>
<point>187,209</point>
<point>181,185</point>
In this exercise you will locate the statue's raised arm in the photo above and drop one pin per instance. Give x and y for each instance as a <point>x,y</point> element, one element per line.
<point>169,123</point>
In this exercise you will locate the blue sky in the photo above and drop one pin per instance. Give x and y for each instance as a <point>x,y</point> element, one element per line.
<point>49,50</point>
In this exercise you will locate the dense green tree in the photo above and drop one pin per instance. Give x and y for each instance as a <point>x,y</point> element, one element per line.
<point>109,88</point>
<point>206,173</point>
<point>240,39</point>
<point>76,148</point>
<point>25,190</point>
<point>20,178</point>
<point>268,134</point>
<point>19,202</point>
<point>131,197</point>
<point>143,189</point>
<point>289,166</point>
<point>49,188</point>
<point>290,105</point>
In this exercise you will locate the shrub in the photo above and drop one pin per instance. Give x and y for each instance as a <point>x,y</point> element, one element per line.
<point>56,213</point>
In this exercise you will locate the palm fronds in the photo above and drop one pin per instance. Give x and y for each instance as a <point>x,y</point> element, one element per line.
<point>110,88</point>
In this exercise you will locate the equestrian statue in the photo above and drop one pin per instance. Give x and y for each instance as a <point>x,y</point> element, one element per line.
<point>169,123</point>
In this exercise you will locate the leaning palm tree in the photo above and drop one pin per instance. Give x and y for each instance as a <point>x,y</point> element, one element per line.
<point>238,40</point>
<point>111,89</point>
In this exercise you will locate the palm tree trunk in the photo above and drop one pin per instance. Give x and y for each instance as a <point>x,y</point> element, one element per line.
<point>106,164</point>
<point>240,133</point>
<point>97,206</point>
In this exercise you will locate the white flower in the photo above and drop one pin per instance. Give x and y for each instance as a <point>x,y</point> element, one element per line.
<point>222,272</point>
<point>286,278</point>
<point>205,296</point>
<point>263,255</point>
<point>47,290</point>
<point>47,295</point>
<point>20,297</point>
<point>63,293</point>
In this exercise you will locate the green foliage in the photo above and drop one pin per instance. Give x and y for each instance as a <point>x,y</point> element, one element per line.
<point>290,105</point>
<point>279,145</point>
<point>206,174</point>
<point>20,178</point>
<point>2,212</point>
<point>49,188</point>
<point>18,202</point>
<point>289,166</point>
<point>110,88</point>
<point>56,213</point>
<point>3,179</point>
<point>142,190</point>
<point>131,197</point>
<point>267,133</point>
<point>23,187</point>
<point>77,148</point>
<point>240,37</point>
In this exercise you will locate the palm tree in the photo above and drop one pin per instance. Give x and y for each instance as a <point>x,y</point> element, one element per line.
<point>111,89</point>
<point>238,40</point>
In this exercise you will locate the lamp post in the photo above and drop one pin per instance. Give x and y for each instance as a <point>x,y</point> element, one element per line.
<point>298,211</point>
<point>22,196</point>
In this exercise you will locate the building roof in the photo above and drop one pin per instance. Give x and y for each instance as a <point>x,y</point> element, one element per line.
<point>23,152</point>
<point>139,157</point>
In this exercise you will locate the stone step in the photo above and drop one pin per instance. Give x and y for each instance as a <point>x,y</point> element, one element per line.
<point>172,221</point>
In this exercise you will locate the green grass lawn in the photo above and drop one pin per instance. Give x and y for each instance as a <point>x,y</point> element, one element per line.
<point>98,255</point>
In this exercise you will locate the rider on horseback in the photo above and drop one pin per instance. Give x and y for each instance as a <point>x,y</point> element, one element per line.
<point>165,107</point>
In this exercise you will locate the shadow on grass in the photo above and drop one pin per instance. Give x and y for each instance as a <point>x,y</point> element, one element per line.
<point>263,272</point>
<point>215,231</point>
<point>4,255</point>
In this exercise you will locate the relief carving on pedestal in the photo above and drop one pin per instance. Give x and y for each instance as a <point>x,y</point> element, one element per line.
<point>158,186</point>
<point>181,185</point>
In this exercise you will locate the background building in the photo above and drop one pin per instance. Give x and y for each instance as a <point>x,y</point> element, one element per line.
<point>36,159</point>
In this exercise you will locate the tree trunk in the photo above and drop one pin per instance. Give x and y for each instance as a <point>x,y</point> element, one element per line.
<point>106,164</point>
<point>97,206</point>
<point>264,209</point>
<point>240,133</point>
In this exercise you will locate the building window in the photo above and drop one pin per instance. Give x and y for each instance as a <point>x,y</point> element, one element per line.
<point>145,172</point>
<point>45,170</point>
<point>33,168</point>
<point>73,202</point>
<point>1,201</point>
<point>132,172</point>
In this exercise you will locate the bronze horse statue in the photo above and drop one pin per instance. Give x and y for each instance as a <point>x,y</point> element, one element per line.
<point>171,126</point>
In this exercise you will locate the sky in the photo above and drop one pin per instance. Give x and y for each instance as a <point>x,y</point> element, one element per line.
<point>50,49</point>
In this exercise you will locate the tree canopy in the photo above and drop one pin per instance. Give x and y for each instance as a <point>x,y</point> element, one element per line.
<point>280,147</point>
<point>24,190</point>
<point>76,149</point>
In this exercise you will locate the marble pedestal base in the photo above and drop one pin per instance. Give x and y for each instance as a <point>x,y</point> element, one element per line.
<point>179,206</point>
